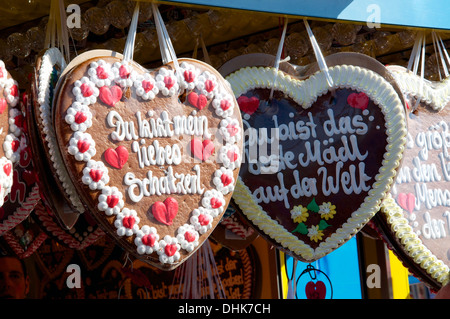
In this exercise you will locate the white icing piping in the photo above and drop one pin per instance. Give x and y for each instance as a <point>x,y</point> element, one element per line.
<point>412,244</point>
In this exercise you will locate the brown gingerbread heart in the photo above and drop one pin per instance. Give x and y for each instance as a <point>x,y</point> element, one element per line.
<point>129,152</point>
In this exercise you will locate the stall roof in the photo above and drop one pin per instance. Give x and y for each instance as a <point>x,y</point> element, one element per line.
<point>429,14</point>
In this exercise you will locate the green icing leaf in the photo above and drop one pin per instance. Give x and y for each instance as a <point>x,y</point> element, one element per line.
<point>301,228</point>
<point>312,206</point>
<point>323,224</point>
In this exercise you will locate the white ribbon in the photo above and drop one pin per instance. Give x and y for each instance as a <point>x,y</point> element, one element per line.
<point>418,56</point>
<point>318,53</point>
<point>278,58</point>
<point>129,43</point>
<point>167,51</point>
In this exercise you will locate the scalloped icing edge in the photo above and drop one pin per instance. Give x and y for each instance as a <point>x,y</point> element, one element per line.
<point>435,94</point>
<point>412,244</point>
<point>344,76</point>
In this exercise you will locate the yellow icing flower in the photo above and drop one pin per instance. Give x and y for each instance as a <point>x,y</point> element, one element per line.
<point>327,211</point>
<point>314,233</point>
<point>299,214</point>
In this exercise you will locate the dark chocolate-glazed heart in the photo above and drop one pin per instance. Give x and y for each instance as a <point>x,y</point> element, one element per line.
<point>318,160</point>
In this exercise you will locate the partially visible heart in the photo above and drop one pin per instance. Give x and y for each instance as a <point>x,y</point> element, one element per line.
<point>166,211</point>
<point>358,100</point>
<point>116,157</point>
<point>202,150</point>
<point>316,290</point>
<point>406,201</point>
<point>248,104</point>
<point>110,96</point>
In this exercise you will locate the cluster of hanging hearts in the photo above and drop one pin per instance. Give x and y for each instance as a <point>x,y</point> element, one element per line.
<point>153,158</point>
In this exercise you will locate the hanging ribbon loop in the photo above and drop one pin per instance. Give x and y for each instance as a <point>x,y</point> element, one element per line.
<point>318,53</point>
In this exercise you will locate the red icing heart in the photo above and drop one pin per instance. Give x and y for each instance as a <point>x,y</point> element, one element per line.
<point>215,203</point>
<point>110,96</point>
<point>128,222</point>
<point>169,82</point>
<point>202,150</point>
<point>170,250</point>
<point>190,237</point>
<point>15,145</point>
<point>116,157</point>
<point>86,90</point>
<point>225,105</point>
<point>147,86</point>
<point>101,73</point>
<point>123,72</point>
<point>112,201</point>
<point>189,76</point>
<point>80,117</point>
<point>203,219</point>
<point>18,120</point>
<point>358,100</point>
<point>166,211</point>
<point>149,240</point>
<point>197,100</point>
<point>406,201</point>
<point>14,90</point>
<point>209,85</point>
<point>83,146</point>
<point>7,168</point>
<point>226,180</point>
<point>316,290</point>
<point>232,129</point>
<point>232,155</point>
<point>248,105</point>
<point>96,174</point>
<point>3,105</point>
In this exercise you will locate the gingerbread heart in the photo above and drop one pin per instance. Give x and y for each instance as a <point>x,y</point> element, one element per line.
<point>55,184</point>
<point>414,219</point>
<point>19,198</point>
<point>10,134</point>
<point>312,176</point>
<point>436,94</point>
<point>137,167</point>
